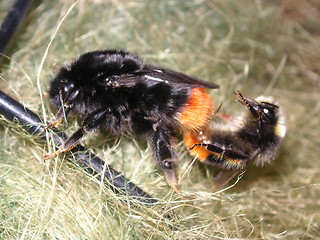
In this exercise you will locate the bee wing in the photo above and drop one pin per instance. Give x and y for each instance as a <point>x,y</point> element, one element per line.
<point>155,73</point>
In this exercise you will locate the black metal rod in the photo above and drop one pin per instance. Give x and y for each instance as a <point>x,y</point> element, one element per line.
<point>12,22</point>
<point>33,124</point>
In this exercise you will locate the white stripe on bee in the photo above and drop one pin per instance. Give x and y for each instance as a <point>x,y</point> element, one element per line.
<point>156,79</point>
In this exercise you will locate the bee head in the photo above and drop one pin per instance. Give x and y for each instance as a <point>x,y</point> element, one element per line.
<point>269,112</point>
<point>62,89</point>
<point>262,108</point>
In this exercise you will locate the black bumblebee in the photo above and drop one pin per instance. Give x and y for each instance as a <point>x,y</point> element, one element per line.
<point>255,136</point>
<point>117,91</point>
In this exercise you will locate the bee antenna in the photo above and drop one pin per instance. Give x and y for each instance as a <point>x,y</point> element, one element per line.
<point>244,101</point>
<point>240,98</point>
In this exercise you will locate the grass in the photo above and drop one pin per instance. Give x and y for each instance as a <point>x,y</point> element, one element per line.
<point>258,47</point>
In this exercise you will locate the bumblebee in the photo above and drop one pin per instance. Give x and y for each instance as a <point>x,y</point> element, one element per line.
<point>117,91</point>
<point>255,136</point>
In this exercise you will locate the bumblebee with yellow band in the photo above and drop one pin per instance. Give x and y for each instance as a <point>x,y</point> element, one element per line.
<point>254,136</point>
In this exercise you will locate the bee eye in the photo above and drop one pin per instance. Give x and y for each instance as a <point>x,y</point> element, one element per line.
<point>268,115</point>
<point>67,87</point>
<point>265,110</point>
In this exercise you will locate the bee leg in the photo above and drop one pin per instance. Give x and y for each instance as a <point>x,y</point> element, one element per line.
<point>70,143</point>
<point>61,114</point>
<point>91,123</point>
<point>231,160</point>
<point>165,156</point>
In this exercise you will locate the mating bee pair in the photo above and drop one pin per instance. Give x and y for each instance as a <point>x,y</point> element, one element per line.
<point>117,91</point>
